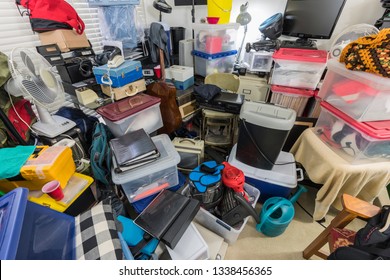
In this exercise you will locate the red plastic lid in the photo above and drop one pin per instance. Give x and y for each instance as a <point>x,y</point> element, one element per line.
<point>291,90</point>
<point>123,108</point>
<point>377,129</point>
<point>319,56</point>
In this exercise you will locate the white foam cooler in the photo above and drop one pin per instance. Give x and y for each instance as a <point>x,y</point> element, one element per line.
<point>280,181</point>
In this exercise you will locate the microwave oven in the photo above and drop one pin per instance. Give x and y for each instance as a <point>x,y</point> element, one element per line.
<point>191,153</point>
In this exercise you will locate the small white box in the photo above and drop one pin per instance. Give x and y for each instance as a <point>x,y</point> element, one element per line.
<point>260,61</point>
<point>179,73</point>
<point>229,233</point>
<point>152,177</point>
<point>191,246</point>
<point>361,95</point>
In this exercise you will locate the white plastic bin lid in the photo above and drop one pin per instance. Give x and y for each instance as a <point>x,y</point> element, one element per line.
<point>168,157</point>
<point>283,175</point>
<point>268,115</point>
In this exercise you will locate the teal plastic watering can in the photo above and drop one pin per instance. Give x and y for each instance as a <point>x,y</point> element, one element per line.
<point>277,213</point>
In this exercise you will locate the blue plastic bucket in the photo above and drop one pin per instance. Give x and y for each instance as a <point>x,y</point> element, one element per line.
<point>275,216</point>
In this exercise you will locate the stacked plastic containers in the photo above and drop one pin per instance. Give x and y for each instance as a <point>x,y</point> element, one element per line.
<point>295,76</point>
<point>355,114</point>
<point>214,48</point>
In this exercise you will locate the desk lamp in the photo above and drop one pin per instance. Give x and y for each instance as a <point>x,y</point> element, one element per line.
<point>243,18</point>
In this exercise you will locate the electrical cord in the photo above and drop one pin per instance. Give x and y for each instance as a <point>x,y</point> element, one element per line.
<point>259,150</point>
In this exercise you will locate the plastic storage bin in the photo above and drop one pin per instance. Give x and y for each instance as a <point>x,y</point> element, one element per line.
<point>33,232</point>
<point>298,68</point>
<point>230,234</point>
<point>260,61</point>
<point>215,38</point>
<point>294,98</point>
<point>153,177</point>
<point>264,129</point>
<point>206,64</point>
<point>191,246</point>
<point>357,142</point>
<point>361,95</point>
<point>280,181</point>
<point>129,114</point>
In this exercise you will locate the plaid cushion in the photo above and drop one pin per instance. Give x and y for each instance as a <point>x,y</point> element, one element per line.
<point>97,235</point>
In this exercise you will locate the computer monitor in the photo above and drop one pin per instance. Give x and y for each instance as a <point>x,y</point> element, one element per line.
<point>189,2</point>
<point>311,19</point>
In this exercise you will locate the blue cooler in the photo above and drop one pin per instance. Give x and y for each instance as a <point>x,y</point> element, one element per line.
<point>126,73</point>
<point>280,181</point>
<point>31,231</point>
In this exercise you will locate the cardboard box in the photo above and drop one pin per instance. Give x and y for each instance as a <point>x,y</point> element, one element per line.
<point>66,39</point>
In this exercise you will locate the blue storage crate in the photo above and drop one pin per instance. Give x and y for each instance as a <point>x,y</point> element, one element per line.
<point>182,85</point>
<point>99,3</point>
<point>31,231</point>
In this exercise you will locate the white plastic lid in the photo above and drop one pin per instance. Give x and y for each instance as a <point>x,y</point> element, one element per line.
<point>168,157</point>
<point>283,175</point>
<point>215,27</point>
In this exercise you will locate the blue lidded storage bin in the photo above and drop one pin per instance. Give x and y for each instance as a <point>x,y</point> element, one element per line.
<point>126,73</point>
<point>206,64</point>
<point>31,231</point>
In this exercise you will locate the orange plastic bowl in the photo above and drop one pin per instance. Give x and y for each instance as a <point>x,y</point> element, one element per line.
<point>212,20</point>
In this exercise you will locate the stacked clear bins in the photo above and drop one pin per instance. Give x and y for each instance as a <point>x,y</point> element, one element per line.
<point>214,48</point>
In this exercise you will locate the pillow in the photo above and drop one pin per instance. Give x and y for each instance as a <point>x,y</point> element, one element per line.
<point>97,235</point>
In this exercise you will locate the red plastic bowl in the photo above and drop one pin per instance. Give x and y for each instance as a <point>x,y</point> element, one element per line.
<point>212,20</point>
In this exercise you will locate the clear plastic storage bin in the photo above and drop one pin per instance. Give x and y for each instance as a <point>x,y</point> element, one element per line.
<point>215,38</point>
<point>206,64</point>
<point>153,177</point>
<point>230,234</point>
<point>294,98</point>
<point>356,142</point>
<point>260,61</point>
<point>361,95</point>
<point>129,114</point>
<point>299,68</point>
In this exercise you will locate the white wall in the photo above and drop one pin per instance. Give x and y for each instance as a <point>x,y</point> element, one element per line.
<point>354,12</point>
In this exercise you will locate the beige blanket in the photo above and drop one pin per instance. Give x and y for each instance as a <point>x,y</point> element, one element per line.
<point>337,175</point>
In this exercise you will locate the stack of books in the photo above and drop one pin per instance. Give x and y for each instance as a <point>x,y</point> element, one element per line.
<point>132,150</point>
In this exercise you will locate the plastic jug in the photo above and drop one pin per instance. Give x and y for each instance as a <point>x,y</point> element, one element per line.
<point>277,213</point>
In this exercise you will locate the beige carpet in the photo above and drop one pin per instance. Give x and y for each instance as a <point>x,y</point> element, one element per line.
<point>253,245</point>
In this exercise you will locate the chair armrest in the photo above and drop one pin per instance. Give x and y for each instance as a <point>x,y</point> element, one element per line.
<point>359,207</point>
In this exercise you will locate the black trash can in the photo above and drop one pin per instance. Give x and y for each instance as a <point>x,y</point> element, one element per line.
<point>177,34</point>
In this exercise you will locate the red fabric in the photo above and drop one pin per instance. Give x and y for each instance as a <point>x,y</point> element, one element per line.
<point>341,237</point>
<point>24,110</point>
<point>53,11</point>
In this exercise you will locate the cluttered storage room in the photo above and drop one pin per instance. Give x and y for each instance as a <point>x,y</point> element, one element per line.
<point>195,129</point>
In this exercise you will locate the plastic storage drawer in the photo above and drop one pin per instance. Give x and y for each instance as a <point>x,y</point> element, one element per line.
<point>294,98</point>
<point>298,68</point>
<point>356,142</point>
<point>230,234</point>
<point>153,177</point>
<point>206,64</point>
<point>280,181</point>
<point>129,114</point>
<point>361,95</point>
<point>31,231</point>
<point>215,38</point>
<point>260,61</point>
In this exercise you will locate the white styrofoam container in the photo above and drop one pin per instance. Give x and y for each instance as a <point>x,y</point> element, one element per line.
<point>229,233</point>
<point>150,177</point>
<point>191,246</point>
<point>362,96</point>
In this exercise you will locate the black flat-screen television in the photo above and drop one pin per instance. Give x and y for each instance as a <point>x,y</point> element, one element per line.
<point>311,19</point>
<point>189,2</point>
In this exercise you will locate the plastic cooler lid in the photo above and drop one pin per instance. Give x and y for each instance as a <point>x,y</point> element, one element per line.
<point>168,157</point>
<point>213,56</point>
<point>268,115</point>
<point>376,129</point>
<point>318,56</point>
<point>126,107</point>
<point>290,90</point>
<point>284,175</point>
<point>12,210</point>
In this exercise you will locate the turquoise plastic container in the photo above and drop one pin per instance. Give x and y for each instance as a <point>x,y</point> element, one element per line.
<point>277,213</point>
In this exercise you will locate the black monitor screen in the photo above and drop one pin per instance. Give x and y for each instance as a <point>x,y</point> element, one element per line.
<point>311,18</point>
<point>189,2</point>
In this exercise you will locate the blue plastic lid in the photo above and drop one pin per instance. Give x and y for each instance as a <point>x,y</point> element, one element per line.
<point>213,56</point>
<point>12,210</point>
